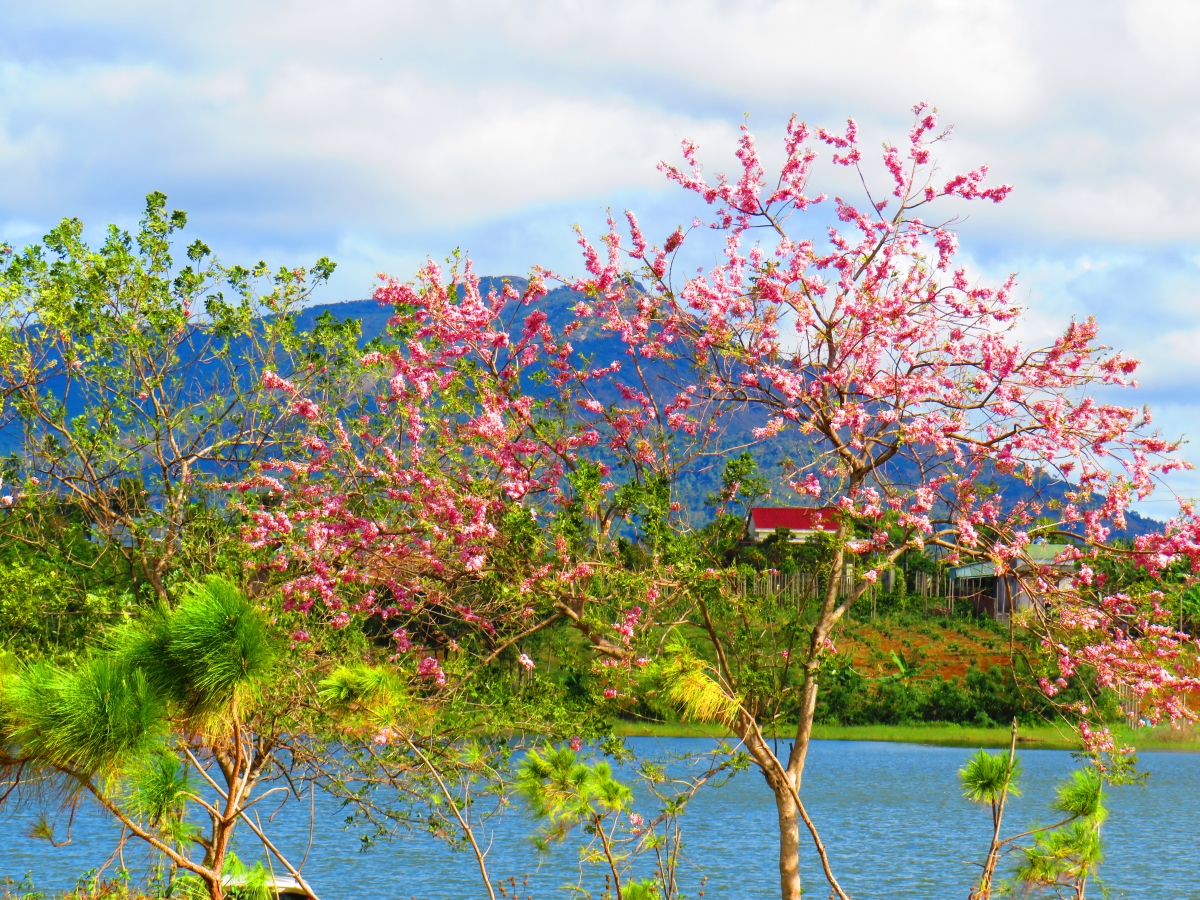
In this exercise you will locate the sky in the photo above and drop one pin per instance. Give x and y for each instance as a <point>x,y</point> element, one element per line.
<point>385,133</point>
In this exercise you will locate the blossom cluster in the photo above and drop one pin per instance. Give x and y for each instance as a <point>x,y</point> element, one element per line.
<point>495,413</point>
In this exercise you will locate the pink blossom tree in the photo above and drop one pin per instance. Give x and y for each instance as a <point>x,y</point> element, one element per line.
<point>903,380</point>
<point>485,493</point>
<point>471,501</point>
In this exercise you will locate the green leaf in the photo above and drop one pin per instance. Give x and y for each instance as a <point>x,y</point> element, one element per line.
<point>96,718</point>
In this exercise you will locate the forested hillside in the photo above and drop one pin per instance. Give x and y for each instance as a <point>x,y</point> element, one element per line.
<point>773,454</point>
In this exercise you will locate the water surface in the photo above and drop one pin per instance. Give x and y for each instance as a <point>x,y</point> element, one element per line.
<point>891,815</point>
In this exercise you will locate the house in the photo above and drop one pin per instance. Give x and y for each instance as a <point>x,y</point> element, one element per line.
<point>801,522</point>
<point>999,596</point>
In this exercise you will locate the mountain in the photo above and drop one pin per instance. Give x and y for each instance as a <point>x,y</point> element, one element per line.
<point>704,479</point>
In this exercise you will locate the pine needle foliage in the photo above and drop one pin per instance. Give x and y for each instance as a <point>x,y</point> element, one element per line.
<point>362,691</point>
<point>243,882</point>
<point>214,648</point>
<point>239,882</point>
<point>90,719</point>
<point>1064,857</point>
<point>159,789</point>
<point>108,713</point>
<point>986,775</point>
<point>563,789</point>
<point>683,681</point>
<point>1082,796</point>
<point>554,783</point>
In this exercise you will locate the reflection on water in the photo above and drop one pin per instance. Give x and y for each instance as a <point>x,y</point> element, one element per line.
<point>891,815</point>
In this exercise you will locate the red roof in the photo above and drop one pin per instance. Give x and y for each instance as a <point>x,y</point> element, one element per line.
<point>794,518</point>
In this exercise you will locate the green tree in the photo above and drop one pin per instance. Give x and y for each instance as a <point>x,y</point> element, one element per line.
<point>1064,855</point>
<point>183,706</point>
<point>990,779</point>
<point>131,382</point>
<point>564,791</point>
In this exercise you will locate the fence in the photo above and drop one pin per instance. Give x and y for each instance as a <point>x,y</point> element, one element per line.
<point>929,584</point>
<point>1131,705</point>
<point>937,590</point>
<point>793,589</point>
<point>937,586</point>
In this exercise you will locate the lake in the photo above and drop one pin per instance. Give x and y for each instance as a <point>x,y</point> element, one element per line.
<point>891,815</point>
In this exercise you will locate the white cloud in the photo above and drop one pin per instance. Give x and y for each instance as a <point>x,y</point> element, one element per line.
<point>382,132</point>
<point>461,110</point>
<point>368,149</point>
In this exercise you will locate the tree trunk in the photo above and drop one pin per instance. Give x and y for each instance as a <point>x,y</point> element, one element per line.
<point>785,806</point>
<point>783,780</point>
<point>216,890</point>
<point>215,859</point>
<point>785,800</point>
<point>789,843</point>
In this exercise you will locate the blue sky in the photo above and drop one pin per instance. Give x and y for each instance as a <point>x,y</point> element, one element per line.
<point>381,133</point>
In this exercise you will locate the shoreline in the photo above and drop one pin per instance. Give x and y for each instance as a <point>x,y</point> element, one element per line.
<point>1040,737</point>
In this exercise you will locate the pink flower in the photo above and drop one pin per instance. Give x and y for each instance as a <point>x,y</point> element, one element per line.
<point>1096,741</point>
<point>868,340</point>
<point>305,408</point>
<point>576,744</point>
<point>430,668</point>
<point>273,382</point>
<point>384,736</point>
<point>525,661</point>
<point>810,486</point>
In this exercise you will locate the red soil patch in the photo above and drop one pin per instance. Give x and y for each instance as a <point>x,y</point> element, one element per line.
<point>942,652</point>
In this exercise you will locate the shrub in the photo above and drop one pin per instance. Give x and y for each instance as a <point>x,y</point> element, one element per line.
<point>984,697</point>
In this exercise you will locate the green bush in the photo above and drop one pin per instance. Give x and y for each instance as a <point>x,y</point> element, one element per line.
<point>983,698</point>
<point>948,701</point>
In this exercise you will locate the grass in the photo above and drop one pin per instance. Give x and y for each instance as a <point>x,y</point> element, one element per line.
<point>1042,737</point>
<point>1046,737</point>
